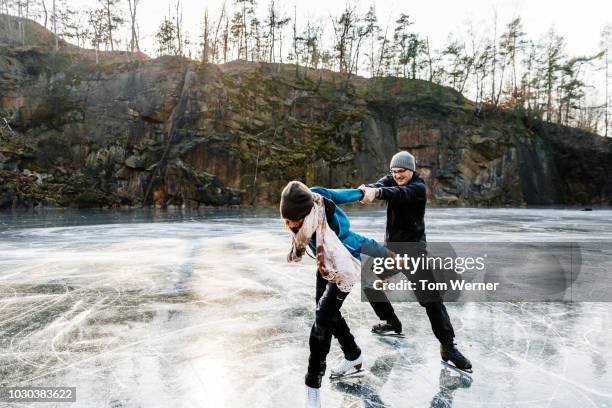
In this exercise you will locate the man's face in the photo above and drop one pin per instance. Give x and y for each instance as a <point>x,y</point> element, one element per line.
<point>401,176</point>
<point>294,226</point>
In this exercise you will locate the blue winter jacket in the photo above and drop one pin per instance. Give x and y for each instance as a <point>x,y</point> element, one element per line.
<point>355,243</point>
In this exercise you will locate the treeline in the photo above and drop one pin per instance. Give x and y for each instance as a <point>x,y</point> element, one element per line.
<point>498,66</point>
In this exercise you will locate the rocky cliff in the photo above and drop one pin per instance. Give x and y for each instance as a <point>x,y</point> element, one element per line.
<point>171,131</point>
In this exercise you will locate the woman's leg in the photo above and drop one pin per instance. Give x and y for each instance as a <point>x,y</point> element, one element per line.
<point>342,332</point>
<point>346,339</point>
<point>327,317</point>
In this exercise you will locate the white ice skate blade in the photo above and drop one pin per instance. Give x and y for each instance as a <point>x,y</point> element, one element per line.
<point>352,374</point>
<point>459,370</point>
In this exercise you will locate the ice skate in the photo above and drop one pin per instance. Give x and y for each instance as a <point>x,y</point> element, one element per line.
<point>459,361</point>
<point>313,397</point>
<point>388,329</point>
<point>347,369</point>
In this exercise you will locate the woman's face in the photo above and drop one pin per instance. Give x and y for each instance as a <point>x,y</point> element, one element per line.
<point>294,226</point>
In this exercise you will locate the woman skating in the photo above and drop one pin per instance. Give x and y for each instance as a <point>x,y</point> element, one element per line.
<point>317,222</point>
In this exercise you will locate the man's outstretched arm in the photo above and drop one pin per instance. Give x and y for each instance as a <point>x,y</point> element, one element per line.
<point>412,192</point>
<point>383,182</point>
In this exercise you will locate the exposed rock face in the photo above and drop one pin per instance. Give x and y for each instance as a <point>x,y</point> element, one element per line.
<point>171,131</point>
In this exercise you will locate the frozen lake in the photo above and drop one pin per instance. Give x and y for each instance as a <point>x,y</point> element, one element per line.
<point>200,309</point>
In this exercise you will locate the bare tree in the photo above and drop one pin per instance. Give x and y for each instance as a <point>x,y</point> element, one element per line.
<point>280,25</point>
<point>429,60</point>
<point>72,25</point>
<point>205,40</point>
<point>349,34</point>
<point>44,7</point>
<point>482,65</point>
<point>226,39</point>
<point>296,41</point>
<point>271,24</point>
<point>527,80</point>
<point>359,33</point>
<point>385,54</point>
<point>606,44</point>
<point>23,13</point>
<point>20,21</point>
<point>479,61</point>
<point>54,20</point>
<point>494,57</point>
<point>215,46</point>
<point>134,45</point>
<point>178,25</point>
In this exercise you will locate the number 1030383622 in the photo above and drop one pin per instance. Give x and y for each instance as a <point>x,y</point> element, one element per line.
<point>38,394</point>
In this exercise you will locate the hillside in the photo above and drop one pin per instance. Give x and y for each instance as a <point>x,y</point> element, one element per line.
<point>172,131</point>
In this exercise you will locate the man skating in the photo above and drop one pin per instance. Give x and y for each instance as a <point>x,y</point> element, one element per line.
<point>406,196</point>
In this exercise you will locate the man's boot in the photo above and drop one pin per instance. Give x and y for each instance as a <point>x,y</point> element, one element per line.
<point>448,351</point>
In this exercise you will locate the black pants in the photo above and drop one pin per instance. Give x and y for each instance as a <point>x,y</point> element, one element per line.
<point>328,322</point>
<point>430,300</point>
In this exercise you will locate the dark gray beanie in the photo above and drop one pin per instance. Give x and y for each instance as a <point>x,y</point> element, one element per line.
<point>404,160</point>
<point>296,201</point>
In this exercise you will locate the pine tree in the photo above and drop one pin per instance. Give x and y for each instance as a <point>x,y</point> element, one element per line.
<point>246,13</point>
<point>205,38</point>
<point>553,51</point>
<point>343,30</point>
<point>166,38</point>
<point>98,31</point>
<point>113,19</point>
<point>237,33</point>
<point>401,37</point>
<point>374,31</point>
<point>512,43</point>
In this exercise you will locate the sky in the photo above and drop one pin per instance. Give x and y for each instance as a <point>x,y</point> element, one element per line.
<point>580,22</point>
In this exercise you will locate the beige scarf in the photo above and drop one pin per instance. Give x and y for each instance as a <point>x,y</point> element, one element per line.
<point>334,261</point>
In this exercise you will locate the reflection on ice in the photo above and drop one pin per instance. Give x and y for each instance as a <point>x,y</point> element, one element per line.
<point>204,311</point>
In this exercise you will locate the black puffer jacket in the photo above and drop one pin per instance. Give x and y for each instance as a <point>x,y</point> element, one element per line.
<point>405,208</point>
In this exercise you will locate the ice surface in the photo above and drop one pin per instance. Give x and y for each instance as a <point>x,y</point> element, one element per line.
<point>147,309</point>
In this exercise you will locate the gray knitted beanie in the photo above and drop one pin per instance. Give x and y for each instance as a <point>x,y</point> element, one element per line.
<point>404,160</point>
<point>296,201</point>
